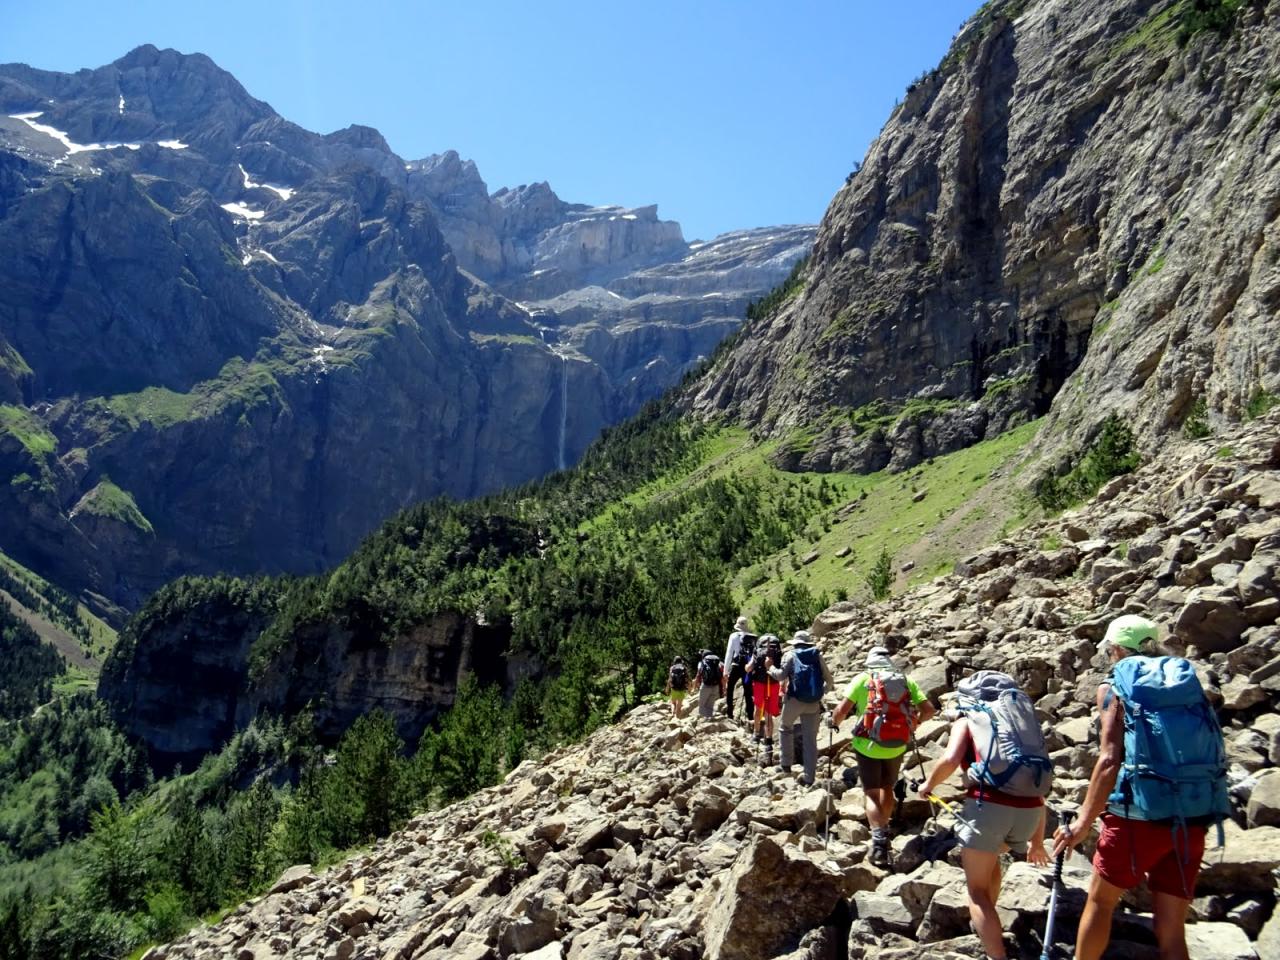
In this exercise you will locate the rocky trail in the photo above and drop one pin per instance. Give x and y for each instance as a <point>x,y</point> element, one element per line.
<point>663,838</point>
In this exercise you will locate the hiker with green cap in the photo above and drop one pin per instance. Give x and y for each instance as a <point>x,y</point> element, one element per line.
<point>889,706</point>
<point>1159,781</point>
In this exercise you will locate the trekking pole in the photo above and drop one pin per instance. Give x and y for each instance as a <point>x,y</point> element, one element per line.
<point>1047,952</point>
<point>826,827</point>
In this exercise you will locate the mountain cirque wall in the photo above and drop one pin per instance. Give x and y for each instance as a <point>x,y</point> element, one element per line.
<point>656,838</point>
<point>1073,214</point>
<point>230,344</point>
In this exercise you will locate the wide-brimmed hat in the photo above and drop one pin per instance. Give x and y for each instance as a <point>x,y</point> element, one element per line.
<point>801,638</point>
<point>740,623</point>
<point>878,658</point>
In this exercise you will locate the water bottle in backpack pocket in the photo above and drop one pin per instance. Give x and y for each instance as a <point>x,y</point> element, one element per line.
<point>1012,756</point>
<point>1175,762</point>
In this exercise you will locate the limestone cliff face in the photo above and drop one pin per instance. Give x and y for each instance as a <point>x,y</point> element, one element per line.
<point>1074,214</point>
<point>263,337</point>
<point>187,684</point>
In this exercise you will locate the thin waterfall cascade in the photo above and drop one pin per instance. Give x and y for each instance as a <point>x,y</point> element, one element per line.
<point>564,407</point>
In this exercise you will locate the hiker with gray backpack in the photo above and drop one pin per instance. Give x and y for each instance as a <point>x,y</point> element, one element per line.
<point>805,677</point>
<point>1160,780</point>
<point>996,739</point>
<point>889,707</point>
<point>709,682</point>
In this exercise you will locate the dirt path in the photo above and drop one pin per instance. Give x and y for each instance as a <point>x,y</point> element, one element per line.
<point>62,641</point>
<point>962,532</point>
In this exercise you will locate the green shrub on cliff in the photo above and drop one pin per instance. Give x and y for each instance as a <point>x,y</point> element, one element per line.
<point>1111,454</point>
<point>1199,16</point>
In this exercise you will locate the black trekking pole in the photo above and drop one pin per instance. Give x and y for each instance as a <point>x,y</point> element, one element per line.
<point>1047,952</point>
<point>831,742</point>
<point>900,788</point>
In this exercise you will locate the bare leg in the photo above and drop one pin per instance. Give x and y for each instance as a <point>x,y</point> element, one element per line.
<point>1170,914</point>
<point>1095,922</point>
<point>980,870</point>
<point>879,806</point>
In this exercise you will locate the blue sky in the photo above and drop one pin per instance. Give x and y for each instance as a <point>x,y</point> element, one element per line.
<point>726,114</point>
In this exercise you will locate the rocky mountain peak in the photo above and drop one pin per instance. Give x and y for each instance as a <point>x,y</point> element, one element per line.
<point>182,267</point>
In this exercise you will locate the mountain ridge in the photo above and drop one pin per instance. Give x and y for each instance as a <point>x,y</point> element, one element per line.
<point>231,281</point>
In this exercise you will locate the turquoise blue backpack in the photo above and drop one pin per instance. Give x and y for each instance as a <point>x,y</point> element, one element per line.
<point>1175,764</point>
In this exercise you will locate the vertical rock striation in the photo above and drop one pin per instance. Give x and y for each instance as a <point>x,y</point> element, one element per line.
<point>1074,214</point>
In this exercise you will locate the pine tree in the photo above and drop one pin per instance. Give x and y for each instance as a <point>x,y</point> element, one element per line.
<point>115,865</point>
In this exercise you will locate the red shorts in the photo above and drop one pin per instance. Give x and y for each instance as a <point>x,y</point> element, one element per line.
<point>1168,858</point>
<point>768,696</point>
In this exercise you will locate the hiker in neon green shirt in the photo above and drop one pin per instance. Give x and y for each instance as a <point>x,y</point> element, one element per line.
<point>889,705</point>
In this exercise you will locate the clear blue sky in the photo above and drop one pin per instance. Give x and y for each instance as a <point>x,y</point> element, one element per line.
<point>726,114</point>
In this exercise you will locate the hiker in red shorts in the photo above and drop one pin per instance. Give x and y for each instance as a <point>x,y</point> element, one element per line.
<point>1157,805</point>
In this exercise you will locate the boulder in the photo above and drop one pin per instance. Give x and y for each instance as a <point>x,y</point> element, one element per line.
<point>1268,727</point>
<point>916,889</point>
<point>1257,579</point>
<point>1244,865</point>
<point>1126,524</point>
<point>296,876</point>
<point>947,914</point>
<point>709,807</point>
<point>771,896</point>
<point>1219,941</point>
<point>837,617</point>
<point>882,914</point>
<point>533,927</point>
<point>1211,619</point>
<point>1104,568</point>
<point>358,910</point>
<point>1264,800</point>
<point>1075,732</point>
<point>1241,693</point>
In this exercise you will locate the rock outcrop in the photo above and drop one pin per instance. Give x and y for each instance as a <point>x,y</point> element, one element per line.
<point>663,838</point>
<point>262,336</point>
<point>1074,214</point>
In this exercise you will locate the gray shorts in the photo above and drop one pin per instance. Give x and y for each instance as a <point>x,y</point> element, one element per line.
<point>991,826</point>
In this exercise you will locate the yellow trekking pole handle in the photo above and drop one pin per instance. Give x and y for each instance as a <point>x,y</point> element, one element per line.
<point>950,807</point>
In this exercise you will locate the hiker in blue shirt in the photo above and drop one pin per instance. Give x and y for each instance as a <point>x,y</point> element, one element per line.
<point>805,678</point>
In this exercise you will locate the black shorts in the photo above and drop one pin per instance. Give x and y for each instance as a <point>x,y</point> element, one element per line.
<point>875,774</point>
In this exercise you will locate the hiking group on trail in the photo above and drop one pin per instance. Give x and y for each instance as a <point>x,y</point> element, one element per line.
<point>1158,783</point>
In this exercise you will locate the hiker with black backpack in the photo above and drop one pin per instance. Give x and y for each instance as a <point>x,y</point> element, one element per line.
<point>677,686</point>
<point>766,692</point>
<point>889,707</point>
<point>740,649</point>
<point>1159,781</point>
<point>805,678</point>
<point>997,740</point>
<point>709,682</point>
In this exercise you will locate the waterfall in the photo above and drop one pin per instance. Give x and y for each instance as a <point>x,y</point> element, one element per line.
<point>564,405</point>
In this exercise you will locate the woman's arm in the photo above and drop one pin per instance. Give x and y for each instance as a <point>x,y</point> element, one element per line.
<point>1105,772</point>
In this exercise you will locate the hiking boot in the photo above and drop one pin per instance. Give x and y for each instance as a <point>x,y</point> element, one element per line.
<point>880,850</point>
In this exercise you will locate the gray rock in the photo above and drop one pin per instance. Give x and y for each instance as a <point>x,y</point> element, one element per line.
<point>743,924</point>
<point>1264,800</point>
